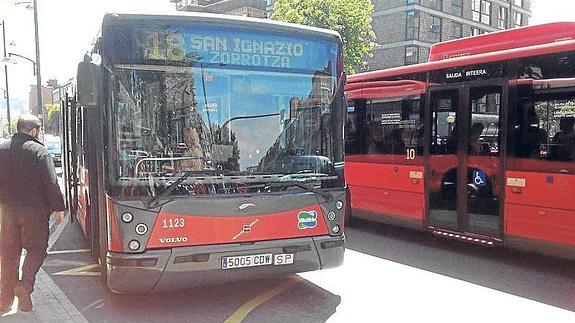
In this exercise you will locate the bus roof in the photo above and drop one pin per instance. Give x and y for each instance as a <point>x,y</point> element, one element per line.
<point>384,89</point>
<point>502,40</point>
<point>222,20</point>
<point>536,50</point>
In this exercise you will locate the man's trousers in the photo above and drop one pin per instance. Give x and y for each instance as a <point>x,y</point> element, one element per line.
<point>22,228</point>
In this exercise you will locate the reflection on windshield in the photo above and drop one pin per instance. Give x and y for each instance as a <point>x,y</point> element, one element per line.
<point>216,121</point>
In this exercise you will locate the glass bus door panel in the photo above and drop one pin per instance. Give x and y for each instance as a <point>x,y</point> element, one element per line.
<point>483,160</point>
<point>442,164</point>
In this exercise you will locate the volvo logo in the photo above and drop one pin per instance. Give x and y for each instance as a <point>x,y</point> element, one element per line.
<point>246,228</point>
<point>174,240</point>
<point>246,205</point>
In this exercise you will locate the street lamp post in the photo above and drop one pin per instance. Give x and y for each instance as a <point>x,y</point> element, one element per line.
<point>38,75</point>
<point>9,60</point>
<point>26,58</point>
<point>6,78</point>
<point>39,105</point>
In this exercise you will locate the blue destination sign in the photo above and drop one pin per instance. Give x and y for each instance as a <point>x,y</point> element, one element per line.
<point>193,44</point>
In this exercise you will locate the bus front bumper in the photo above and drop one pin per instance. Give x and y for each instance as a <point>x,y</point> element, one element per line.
<point>184,267</point>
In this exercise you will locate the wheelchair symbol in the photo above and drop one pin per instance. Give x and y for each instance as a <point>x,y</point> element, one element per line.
<point>478,178</point>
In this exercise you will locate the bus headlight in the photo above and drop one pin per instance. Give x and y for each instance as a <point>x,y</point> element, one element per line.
<point>335,228</point>
<point>141,229</point>
<point>331,215</point>
<point>127,217</point>
<point>134,245</point>
<point>339,205</point>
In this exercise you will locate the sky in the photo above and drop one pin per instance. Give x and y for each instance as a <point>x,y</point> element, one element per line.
<point>68,27</point>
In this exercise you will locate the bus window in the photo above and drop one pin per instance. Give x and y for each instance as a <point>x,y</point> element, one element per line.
<point>484,134</point>
<point>444,131</point>
<point>548,67</point>
<point>545,131</point>
<point>529,132</point>
<point>352,142</point>
<point>563,142</point>
<point>393,127</point>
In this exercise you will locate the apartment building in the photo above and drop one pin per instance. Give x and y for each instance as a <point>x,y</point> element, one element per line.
<point>406,29</point>
<point>246,8</point>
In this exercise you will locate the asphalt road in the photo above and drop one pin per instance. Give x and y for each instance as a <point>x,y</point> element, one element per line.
<point>401,275</point>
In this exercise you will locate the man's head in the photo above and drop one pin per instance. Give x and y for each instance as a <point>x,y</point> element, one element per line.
<point>476,129</point>
<point>28,124</point>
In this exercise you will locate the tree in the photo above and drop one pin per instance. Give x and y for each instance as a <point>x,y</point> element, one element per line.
<point>13,124</point>
<point>351,18</point>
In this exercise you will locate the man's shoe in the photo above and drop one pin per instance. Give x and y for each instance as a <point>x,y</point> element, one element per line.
<point>5,309</point>
<point>24,299</point>
<point>6,305</point>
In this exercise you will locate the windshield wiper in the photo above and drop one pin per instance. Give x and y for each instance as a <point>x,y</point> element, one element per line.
<point>152,202</point>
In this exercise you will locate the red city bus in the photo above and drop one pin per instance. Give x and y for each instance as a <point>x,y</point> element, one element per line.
<point>478,144</point>
<point>206,149</point>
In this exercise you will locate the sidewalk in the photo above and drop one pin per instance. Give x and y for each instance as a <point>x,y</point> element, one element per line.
<point>50,303</point>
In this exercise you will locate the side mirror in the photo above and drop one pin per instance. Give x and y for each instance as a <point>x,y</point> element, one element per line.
<point>89,83</point>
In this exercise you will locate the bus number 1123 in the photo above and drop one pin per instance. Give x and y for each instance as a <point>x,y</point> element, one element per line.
<point>173,223</point>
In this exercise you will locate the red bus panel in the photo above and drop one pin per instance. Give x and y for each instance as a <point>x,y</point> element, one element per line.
<point>396,190</point>
<point>178,230</point>
<point>540,223</point>
<point>540,206</point>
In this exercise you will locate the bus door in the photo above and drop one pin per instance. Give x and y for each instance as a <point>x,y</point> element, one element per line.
<point>464,159</point>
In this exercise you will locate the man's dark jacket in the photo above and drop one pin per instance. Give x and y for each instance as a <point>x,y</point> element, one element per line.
<point>27,175</point>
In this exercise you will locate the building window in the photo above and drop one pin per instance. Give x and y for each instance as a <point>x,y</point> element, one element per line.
<point>412,30</point>
<point>433,4</point>
<point>518,19</point>
<point>481,11</point>
<point>411,55</point>
<point>435,29</point>
<point>502,20</point>
<point>518,3</point>
<point>457,7</point>
<point>476,31</point>
<point>456,30</point>
<point>412,1</point>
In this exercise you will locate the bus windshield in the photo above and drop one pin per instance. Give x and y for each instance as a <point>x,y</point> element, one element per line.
<point>227,121</point>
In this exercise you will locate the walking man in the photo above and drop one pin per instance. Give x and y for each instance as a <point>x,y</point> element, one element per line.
<point>29,193</point>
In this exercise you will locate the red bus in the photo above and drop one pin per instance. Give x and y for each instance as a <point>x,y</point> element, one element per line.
<point>477,144</point>
<point>207,148</point>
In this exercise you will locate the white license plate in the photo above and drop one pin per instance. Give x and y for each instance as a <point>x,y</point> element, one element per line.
<point>247,261</point>
<point>283,259</point>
